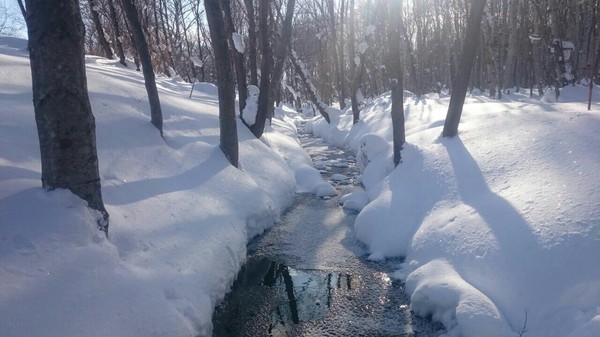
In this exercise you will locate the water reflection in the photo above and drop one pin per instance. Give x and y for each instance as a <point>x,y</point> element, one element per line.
<point>298,295</point>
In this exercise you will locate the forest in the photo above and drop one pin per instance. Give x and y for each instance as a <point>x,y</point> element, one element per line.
<point>299,168</point>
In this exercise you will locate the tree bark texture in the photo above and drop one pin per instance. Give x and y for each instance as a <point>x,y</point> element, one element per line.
<point>226,83</point>
<point>399,136</point>
<point>262,112</point>
<point>63,114</point>
<point>144,53</point>
<point>461,82</point>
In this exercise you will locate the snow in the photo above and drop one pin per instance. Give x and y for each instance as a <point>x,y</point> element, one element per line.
<point>238,42</point>
<point>180,214</point>
<point>498,226</point>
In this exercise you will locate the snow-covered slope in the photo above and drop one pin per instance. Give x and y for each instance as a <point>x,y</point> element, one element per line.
<point>500,225</point>
<point>180,214</point>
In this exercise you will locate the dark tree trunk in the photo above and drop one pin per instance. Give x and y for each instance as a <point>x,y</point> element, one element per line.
<point>251,42</point>
<point>144,53</point>
<point>353,70</point>
<point>118,37</point>
<point>265,69</point>
<point>63,114</point>
<point>238,58</point>
<point>280,56</point>
<point>101,37</point>
<point>22,8</point>
<point>461,82</point>
<point>308,86</point>
<point>399,136</point>
<point>226,84</point>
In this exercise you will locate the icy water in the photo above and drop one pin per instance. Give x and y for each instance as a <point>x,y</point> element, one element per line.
<point>308,276</point>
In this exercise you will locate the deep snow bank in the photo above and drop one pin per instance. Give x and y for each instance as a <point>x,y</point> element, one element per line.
<point>498,224</point>
<point>180,214</point>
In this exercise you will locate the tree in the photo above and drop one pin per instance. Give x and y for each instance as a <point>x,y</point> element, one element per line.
<point>63,114</point>
<point>144,53</point>
<point>101,37</point>
<point>399,136</point>
<point>461,82</point>
<point>226,84</point>
<point>262,112</point>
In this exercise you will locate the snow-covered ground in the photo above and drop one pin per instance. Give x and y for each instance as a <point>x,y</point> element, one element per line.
<point>500,226</point>
<point>180,214</point>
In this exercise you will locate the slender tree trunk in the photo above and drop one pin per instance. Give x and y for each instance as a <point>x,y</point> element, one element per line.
<point>342,64</point>
<point>308,86</point>
<point>144,53</point>
<point>238,58</point>
<point>538,66</point>
<point>226,84</point>
<point>22,8</point>
<point>63,114</point>
<point>399,136</point>
<point>251,42</point>
<point>101,37</point>
<point>117,30</point>
<point>265,69</point>
<point>461,82</point>
<point>280,56</point>
<point>511,53</point>
<point>553,8</point>
<point>353,70</point>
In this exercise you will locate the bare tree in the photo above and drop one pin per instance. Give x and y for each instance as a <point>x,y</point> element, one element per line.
<point>399,136</point>
<point>226,84</point>
<point>63,114</point>
<point>94,9</point>
<point>144,53</point>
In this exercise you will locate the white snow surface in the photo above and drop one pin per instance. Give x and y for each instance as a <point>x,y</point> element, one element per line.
<point>497,224</point>
<point>180,215</point>
<point>238,42</point>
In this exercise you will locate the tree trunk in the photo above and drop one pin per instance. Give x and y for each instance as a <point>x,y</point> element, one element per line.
<point>399,136</point>
<point>144,53</point>
<point>265,69</point>
<point>461,82</point>
<point>353,70</point>
<point>101,37</point>
<point>238,58</point>
<point>118,37</point>
<point>511,53</point>
<point>63,114</point>
<point>553,8</point>
<point>308,86</point>
<point>538,66</point>
<point>251,42</point>
<point>226,84</point>
<point>280,56</point>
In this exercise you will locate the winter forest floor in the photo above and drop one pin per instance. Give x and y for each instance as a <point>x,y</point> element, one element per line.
<point>491,233</point>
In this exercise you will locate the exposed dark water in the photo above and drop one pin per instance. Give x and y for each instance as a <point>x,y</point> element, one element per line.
<point>308,276</point>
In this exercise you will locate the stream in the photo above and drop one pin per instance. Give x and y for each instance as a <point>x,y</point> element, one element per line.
<point>308,276</point>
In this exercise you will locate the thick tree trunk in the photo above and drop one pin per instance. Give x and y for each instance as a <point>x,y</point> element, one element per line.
<point>101,37</point>
<point>399,136</point>
<point>144,53</point>
<point>226,84</point>
<point>63,114</point>
<point>117,31</point>
<point>265,69</point>
<point>461,82</point>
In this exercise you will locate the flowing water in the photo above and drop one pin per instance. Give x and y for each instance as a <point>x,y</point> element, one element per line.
<point>308,276</point>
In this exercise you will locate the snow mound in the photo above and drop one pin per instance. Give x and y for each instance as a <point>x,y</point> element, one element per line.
<point>438,290</point>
